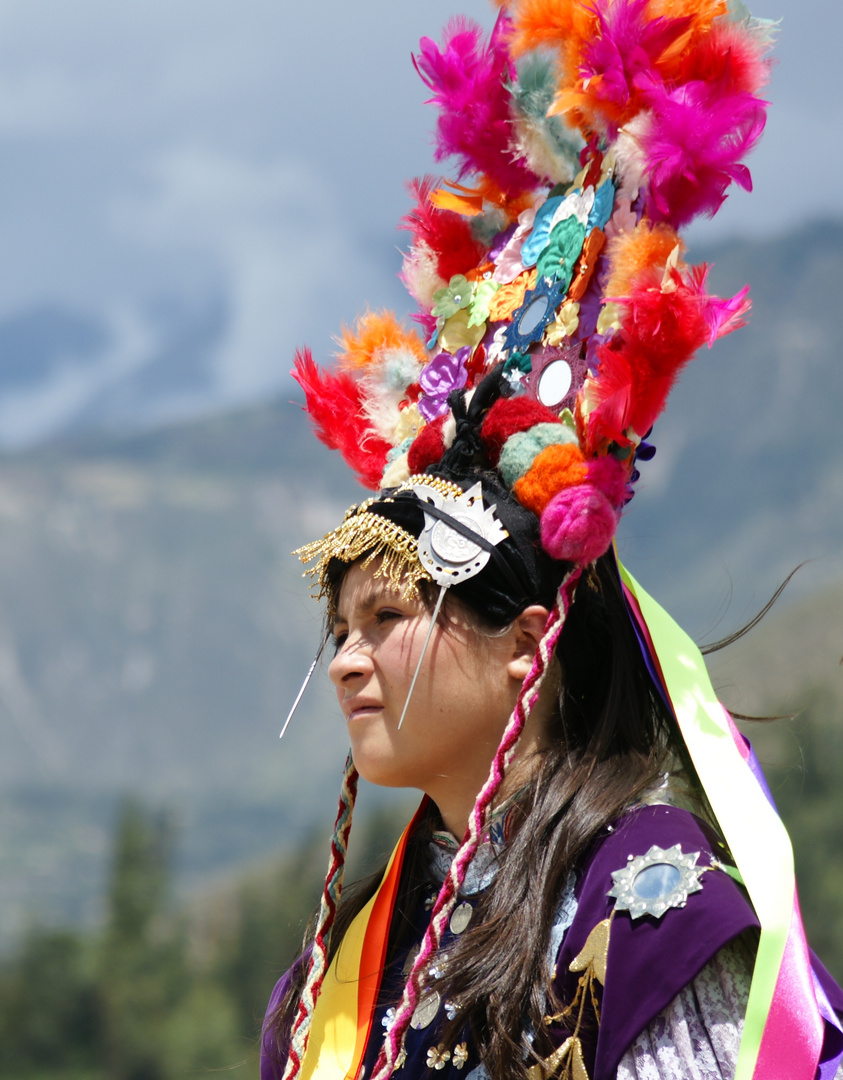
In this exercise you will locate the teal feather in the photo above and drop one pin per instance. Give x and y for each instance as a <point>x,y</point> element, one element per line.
<point>533,95</point>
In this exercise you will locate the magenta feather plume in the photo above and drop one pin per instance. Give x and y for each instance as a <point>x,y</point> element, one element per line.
<point>624,56</point>
<point>334,405</point>
<point>468,77</point>
<point>722,315</point>
<point>694,143</point>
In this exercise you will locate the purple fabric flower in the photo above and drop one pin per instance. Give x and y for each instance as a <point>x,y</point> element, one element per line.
<point>443,374</point>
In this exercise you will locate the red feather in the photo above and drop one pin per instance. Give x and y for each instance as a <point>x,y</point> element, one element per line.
<point>446,233</point>
<point>334,406</point>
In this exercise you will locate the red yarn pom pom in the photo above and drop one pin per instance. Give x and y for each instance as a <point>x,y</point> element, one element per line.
<point>578,524</point>
<point>428,447</point>
<point>507,417</point>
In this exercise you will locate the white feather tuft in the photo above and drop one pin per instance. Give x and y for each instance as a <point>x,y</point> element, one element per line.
<point>420,275</point>
<point>384,387</point>
<point>539,149</point>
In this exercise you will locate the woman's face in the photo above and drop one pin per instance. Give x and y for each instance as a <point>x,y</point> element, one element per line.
<point>464,694</point>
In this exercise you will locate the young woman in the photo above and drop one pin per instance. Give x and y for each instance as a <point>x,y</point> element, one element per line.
<point>596,884</point>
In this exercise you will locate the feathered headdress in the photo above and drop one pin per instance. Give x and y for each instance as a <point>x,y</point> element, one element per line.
<point>585,134</point>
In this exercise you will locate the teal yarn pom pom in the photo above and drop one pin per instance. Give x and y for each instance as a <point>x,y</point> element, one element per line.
<point>521,450</point>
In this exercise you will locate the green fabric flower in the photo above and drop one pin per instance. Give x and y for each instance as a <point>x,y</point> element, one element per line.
<point>557,261</point>
<point>450,300</point>
<point>479,307</point>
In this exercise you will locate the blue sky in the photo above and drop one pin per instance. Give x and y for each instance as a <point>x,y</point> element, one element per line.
<point>158,157</point>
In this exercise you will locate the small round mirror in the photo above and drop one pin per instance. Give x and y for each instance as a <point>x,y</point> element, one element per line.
<point>554,383</point>
<point>532,315</point>
<point>657,881</point>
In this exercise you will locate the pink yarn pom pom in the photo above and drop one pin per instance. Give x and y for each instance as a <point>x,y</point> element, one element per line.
<point>578,524</point>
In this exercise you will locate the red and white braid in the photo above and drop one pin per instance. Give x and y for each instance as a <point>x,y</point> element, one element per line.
<point>318,964</point>
<point>445,901</point>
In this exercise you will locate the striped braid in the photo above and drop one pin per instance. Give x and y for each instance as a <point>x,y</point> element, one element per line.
<point>477,823</point>
<point>331,894</point>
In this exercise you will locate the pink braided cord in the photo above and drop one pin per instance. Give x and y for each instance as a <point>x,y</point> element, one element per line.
<point>331,894</point>
<point>477,822</point>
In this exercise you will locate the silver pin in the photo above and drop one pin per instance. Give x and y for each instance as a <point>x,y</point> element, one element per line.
<point>433,618</point>
<point>307,679</point>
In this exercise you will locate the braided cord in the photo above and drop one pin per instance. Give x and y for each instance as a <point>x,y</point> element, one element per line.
<point>477,822</point>
<point>318,965</point>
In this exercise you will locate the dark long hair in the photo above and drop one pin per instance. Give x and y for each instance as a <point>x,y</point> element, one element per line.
<point>611,738</point>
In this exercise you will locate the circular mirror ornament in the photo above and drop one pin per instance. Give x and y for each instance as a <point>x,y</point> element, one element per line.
<point>557,375</point>
<point>651,884</point>
<point>539,307</point>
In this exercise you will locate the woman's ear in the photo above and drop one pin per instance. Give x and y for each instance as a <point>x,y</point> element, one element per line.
<point>527,629</point>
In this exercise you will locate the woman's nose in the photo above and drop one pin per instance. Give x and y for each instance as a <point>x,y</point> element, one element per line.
<point>352,659</point>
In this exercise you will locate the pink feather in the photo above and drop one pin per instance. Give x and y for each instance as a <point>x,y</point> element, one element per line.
<point>468,78</point>
<point>624,55</point>
<point>693,146</point>
<point>334,406</point>
<point>722,316</point>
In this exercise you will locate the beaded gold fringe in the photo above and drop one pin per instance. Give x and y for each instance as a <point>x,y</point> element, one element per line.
<point>370,535</point>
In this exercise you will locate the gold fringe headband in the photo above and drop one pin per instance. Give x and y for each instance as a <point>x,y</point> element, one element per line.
<point>363,533</point>
<point>373,536</point>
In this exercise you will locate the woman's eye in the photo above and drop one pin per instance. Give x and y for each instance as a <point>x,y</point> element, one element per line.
<point>386,615</point>
<point>338,640</point>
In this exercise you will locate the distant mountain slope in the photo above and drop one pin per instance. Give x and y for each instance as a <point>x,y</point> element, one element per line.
<point>154,628</point>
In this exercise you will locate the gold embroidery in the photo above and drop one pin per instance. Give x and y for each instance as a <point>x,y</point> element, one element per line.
<point>591,961</point>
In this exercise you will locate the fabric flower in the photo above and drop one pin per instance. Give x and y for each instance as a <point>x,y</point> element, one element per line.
<point>509,264</point>
<point>565,325</point>
<point>443,374</point>
<point>479,306</point>
<point>438,1057</point>
<point>509,298</point>
<point>610,318</point>
<point>460,1055</point>
<point>410,423</point>
<point>456,295</point>
<point>456,334</point>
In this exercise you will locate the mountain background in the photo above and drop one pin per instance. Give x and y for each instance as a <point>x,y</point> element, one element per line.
<point>154,628</point>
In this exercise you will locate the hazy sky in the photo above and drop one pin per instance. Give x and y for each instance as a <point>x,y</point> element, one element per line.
<point>161,152</point>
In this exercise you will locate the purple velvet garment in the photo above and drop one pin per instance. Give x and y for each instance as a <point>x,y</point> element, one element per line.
<point>650,960</point>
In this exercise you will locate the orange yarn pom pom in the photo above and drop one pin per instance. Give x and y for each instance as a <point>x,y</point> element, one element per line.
<point>374,332</point>
<point>556,468</point>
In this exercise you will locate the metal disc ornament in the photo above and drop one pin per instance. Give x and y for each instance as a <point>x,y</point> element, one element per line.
<point>447,546</point>
<point>426,1010</point>
<point>461,918</point>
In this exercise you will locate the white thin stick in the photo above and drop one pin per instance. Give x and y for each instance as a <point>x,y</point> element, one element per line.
<point>307,679</point>
<point>433,618</point>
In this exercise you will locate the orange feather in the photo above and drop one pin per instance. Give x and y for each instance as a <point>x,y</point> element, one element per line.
<point>631,254</point>
<point>564,25</point>
<point>374,332</point>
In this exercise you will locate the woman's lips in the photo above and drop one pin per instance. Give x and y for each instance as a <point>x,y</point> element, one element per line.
<point>359,709</point>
